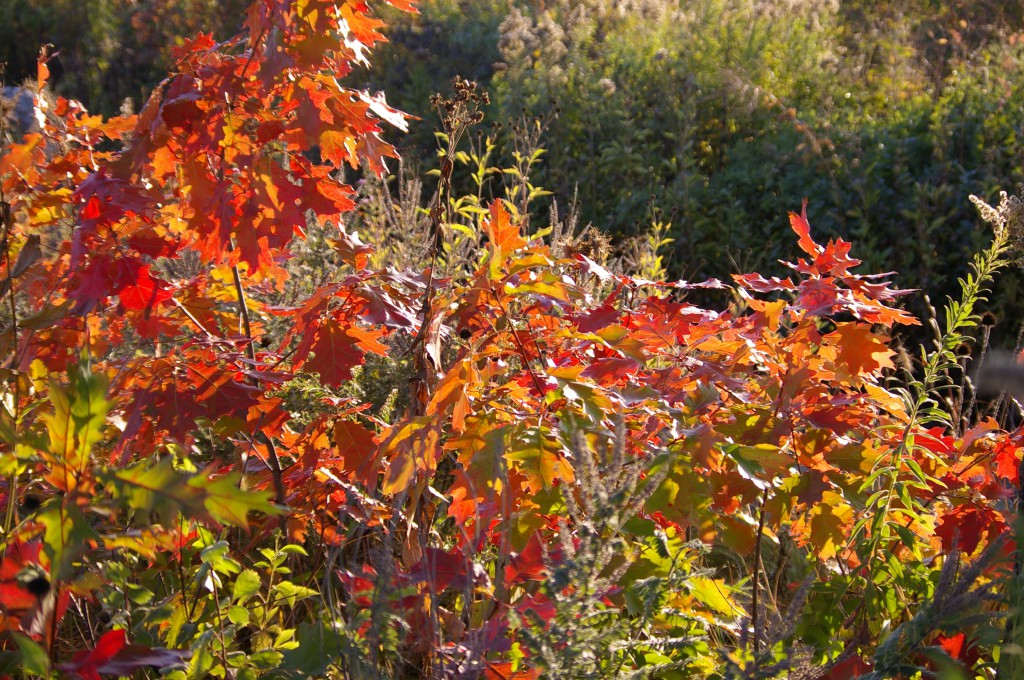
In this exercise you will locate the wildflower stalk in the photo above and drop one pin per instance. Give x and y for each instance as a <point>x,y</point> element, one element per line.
<point>922,406</point>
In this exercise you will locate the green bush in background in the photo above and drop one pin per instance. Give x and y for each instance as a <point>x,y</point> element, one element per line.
<point>709,114</point>
<point>716,113</point>
<point>109,50</point>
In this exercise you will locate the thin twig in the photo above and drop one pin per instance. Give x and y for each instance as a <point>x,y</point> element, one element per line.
<point>273,461</point>
<point>757,574</point>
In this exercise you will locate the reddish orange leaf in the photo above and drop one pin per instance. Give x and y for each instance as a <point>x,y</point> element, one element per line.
<point>803,230</point>
<point>504,236</point>
<point>862,354</point>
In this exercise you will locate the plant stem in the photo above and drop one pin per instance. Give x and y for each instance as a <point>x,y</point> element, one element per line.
<point>11,516</point>
<point>757,575</point>
<point>273,461</point>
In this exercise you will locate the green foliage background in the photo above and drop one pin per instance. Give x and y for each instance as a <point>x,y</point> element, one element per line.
<point>712,114</point>
<point>715,114</point>
<point>109,50</point>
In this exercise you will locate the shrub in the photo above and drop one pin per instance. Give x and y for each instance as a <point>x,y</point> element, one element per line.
<point>208,468</point>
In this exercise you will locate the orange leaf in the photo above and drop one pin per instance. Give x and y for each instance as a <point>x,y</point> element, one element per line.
<point>827,523</point>
<point>803,230</point>
<point>404,5</point>
<point>504,235</point>
<point>862,354</point>
<point>412,447</point>
<point>952,645</point>
<point>338,347</point>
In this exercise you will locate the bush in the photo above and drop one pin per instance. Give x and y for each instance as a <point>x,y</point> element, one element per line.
<point>108,50</point>
<point>256,422</point>
<point>714,115</point>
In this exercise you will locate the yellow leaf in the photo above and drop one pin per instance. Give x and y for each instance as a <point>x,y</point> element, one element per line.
<point>714,593</point>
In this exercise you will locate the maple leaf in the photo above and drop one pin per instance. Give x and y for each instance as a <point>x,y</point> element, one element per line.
<point>21,160</point>
<point>1007,456</point>
<point>93,285</point>
<point>392,309</point>
<point>338,147</point>
<point>504,671</point>
<point>760,284</point>
<point>966,525</point>
<point>835,259</point>
<point>817,296</point>
<point>952,645</point>
<point>381,109</point>
<point>412,448</point>
<point>135,286</point>
<point>374,152</point>
<point>404,5</point>
<point>539,455</point>
<point>363,31</point>
<point>530,564</point>
<point>480,450</point>
<point>356,446</point>
<point>86,664</point>
<point>504,236</point>
<point>170,394</point>
<point>350,111</point>
<point>324,195</point>
<point>441,569</point>
<point>826,525</point>
<point>715,594</point>
<point>851,667</point>
<point>352,250</point>
<point>15,598</point>
<point>610,370</point>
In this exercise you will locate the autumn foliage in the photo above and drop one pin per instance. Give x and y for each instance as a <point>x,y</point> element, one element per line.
<point>588,475</point>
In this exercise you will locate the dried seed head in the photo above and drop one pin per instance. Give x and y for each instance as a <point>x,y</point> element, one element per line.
<point>1008,216</point>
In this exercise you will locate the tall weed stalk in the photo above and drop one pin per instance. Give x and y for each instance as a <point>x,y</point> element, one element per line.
<point>896,475</point>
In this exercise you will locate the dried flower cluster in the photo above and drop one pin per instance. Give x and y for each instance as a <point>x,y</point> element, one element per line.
<point>1008,216</point>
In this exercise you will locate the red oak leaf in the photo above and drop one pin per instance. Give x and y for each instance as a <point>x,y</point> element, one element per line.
<point>803,230</point>
<point>112,655</point>
<point>966,526</point>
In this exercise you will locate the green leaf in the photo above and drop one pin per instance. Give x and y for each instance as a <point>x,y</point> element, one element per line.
<point>238,615</point>
<point>138,594</point>
<point>291,593</point>
<point>217,557</point>
<point>714,593</point>
<point>65,536</point>
<point>79,416</point>
<point>228,504</point>
<point>34,659</point>
<point>293,549</point>
<point>318,644</point>
<point>247,584</point>
<point>161,489</point>
<point>906,535</point>
<point>265,660</point>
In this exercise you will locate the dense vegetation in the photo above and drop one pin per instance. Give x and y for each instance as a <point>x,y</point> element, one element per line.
<point>271,411</point>
<point>714,113</point>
